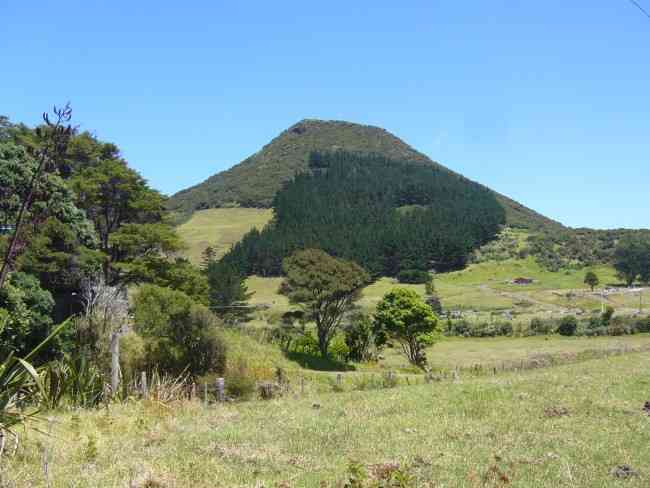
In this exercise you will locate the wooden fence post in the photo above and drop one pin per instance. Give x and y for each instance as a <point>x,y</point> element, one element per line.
<point>302,385</point>
<point>143,385</point>
<point>193,392</point>
<point>115,363</point>
<point>221,390</point>
<point>205,394</point>
<point>339,379</point>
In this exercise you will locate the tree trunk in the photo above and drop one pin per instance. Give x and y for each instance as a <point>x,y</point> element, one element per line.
<point>323,342</point>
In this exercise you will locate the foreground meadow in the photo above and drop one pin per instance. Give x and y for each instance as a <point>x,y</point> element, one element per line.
<point>567,426</point>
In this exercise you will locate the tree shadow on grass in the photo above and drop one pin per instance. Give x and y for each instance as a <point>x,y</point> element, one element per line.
<point>318,363</point>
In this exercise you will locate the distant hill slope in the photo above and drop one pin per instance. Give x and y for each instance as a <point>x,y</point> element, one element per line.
<point>255,181</point>
<point>220,228</point>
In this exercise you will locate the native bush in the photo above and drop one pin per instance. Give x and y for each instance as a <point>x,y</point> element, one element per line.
<point>240,381</point>
<point>568,326</point>
<point>338,349</point>
<point>539,326</point>
<point>360,338</point>
<point>26,311</point>
<point>607,315</point>
<point>179,334</point>
<point>643,325</point>
<point>413,276</point>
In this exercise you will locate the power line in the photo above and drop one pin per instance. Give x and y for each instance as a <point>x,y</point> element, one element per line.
<point>638,5</point>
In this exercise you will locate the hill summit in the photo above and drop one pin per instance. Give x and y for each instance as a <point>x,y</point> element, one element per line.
<point>255,181</point>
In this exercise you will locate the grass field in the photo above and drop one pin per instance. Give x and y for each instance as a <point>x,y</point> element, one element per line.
<point>220,228</point>
<point>489,352</point>
<point>481,290</point>
<point>567,426</point>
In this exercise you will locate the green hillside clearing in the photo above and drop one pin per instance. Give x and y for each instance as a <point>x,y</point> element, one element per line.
<point>220,228</point>
<point>484,290</point>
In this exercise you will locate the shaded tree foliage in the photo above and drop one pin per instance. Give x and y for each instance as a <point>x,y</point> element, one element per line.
<point>632,259</point>
<point>228,292</point>
<point>591,280</point>
<point>25,310</point>
<point>22,190</point>
<point>179,334</point>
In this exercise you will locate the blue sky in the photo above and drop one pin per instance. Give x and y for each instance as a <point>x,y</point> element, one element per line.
<point>547,102</point>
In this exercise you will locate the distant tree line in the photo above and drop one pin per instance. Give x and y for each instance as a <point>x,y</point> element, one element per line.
<point>387,216</point>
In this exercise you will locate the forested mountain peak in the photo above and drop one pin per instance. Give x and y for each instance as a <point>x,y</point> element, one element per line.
<point>255,181</point>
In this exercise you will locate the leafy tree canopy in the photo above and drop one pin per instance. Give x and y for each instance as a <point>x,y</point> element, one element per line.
<point>325,287</point>
<point>591,279</point>
<point>632,259</point>
<point>179,333</point>
<point>404,317</point>
<point>25,309</point>
<point>228,291</point>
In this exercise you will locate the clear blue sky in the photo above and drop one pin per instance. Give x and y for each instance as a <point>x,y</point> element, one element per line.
<point>545,101</point>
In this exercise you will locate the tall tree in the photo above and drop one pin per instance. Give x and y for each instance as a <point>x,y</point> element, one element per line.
<point>46,160</point>
<point>127,214</point>
<point>228,292</point>
<point>207,256</point>
<point>591,280</point>
<point>325,287</point>
<point>632,259</point>
<point>404,317</point>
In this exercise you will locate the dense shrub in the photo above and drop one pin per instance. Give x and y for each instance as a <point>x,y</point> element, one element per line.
<point>306,344</point>
<point>596,331</point>
<point>179,334</point>
<point>360,338</point>
<point>459,328</point>
<point>619,329</point>
<point>240,382</point>
<point>568,326</point>
<point>643,325</point>
<point>464,328</point>
<point>338,349</point>
<point>539,326</point>
<point>434,302</point>
<point>413,276</point>
<point>25,310</point>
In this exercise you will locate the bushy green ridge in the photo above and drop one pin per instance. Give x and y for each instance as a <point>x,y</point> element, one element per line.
<point>561,249</point>
<point>576,248</point>
<point>255,181</point>
<point>385,215</point>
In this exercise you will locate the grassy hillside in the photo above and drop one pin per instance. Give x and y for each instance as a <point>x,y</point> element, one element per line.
<point>220,228</point>
<point>255,181</point>
<point>484,291</point>
<point>566,426</point>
